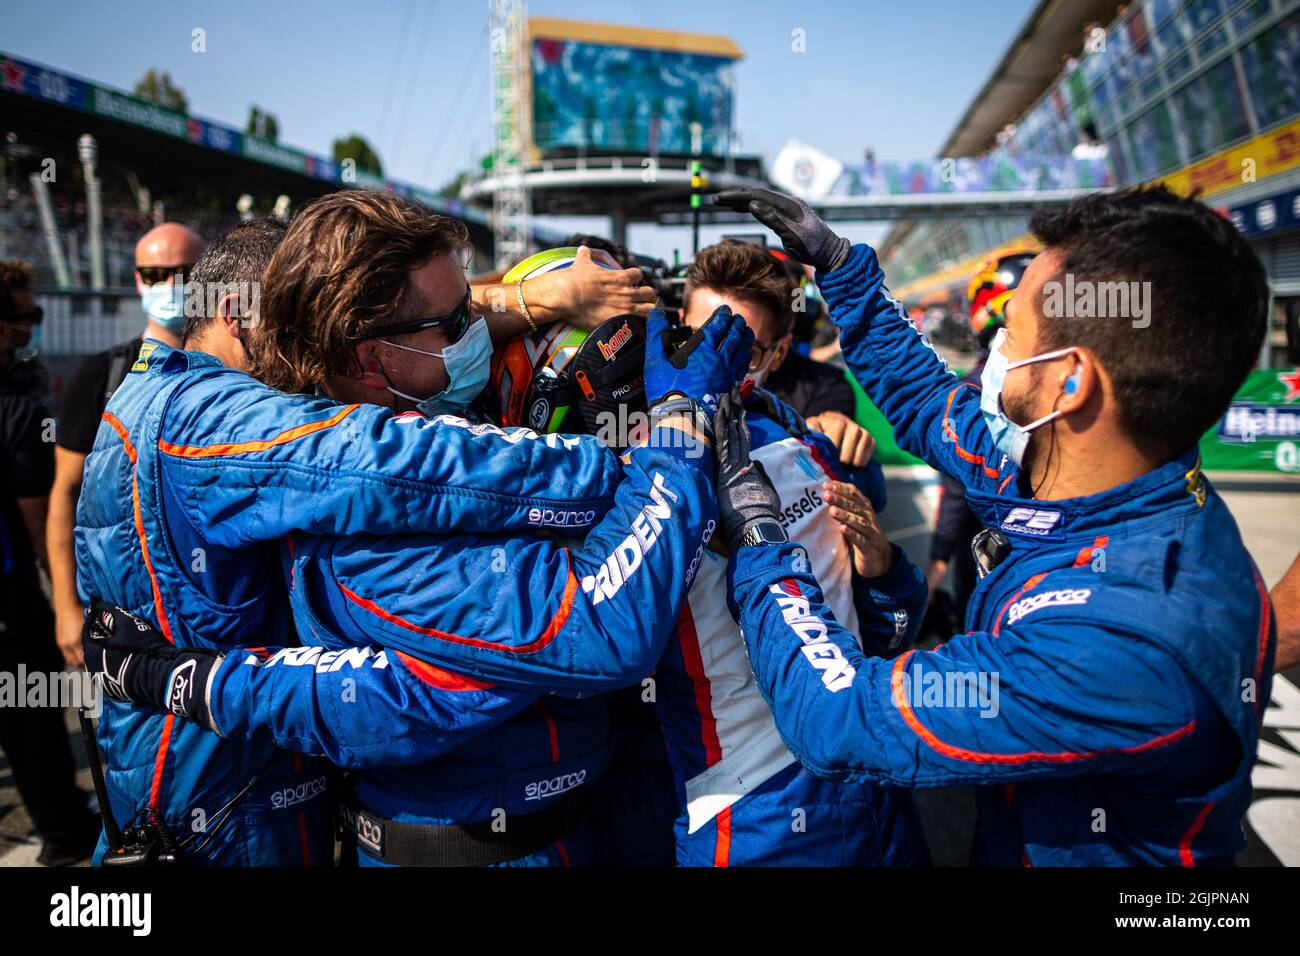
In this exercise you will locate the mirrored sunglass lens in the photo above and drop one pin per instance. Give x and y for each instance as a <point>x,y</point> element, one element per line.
<point>458,323</point>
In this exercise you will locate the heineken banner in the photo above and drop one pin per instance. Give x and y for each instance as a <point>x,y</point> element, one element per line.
<point>1260,431</point>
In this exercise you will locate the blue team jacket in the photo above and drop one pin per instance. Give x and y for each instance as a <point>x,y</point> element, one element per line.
<point>197,474</point>
<point>1109,691</point>
<point>434,745</point>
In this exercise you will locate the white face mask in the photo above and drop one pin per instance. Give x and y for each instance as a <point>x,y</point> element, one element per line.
<point>468,363</point>
<point>758,376</point>
<point>1008,437</point>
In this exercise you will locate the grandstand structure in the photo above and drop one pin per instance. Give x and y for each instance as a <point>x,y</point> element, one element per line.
<point>154,163</point>
<point>1201,95</point>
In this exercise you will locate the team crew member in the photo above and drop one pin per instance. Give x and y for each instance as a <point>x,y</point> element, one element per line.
<point>763,288</point>
<point>1130,633</point>
<point>619,590</point>
<point>738,785</point>
<point>200,471</point>
<point>33,739</point>
<point>164,256</point>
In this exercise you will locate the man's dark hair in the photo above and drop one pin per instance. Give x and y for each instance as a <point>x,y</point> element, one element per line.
<point>617,251</point>
<point>743,268</point>
<point>240,256</point>
<point>1208,308</point>
<point>15,276</point>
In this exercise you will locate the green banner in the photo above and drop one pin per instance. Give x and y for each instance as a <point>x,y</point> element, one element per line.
<point>869,417</point>
<point>138,112</point>
<point>1260,431</point>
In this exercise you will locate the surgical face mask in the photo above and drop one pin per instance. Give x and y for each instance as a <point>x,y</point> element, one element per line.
<point>468,363</point>
<point>1009,438</point>
<point>31,346</point>
<point>165,304</point>
<point>758,376</point>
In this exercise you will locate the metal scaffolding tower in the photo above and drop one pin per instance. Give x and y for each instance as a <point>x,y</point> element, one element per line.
<point>511,206</point>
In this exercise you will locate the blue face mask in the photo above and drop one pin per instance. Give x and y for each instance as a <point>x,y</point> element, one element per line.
<point>32,347</point>
<point>468,363</point>
<point>165,304</point>
<point>1009,438</point>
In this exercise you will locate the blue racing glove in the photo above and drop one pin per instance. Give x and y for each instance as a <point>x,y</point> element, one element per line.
<point>136,664</point>
<point>708,364</point>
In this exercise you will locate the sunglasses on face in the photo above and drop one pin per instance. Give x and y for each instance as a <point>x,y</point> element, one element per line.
<point>152,275</point>
<point>758,352</point>
<point>33,317</point>
<point>454,323</point>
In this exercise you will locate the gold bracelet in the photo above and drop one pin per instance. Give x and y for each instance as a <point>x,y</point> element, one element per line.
<point>519,297</point>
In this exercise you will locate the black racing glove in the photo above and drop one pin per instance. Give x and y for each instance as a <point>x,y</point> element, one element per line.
<point>137,665</point>
<point>802,231</point>
<point>745,495</point>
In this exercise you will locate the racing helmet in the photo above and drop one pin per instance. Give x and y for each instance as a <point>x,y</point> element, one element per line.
<point>562,378</point>
<point>990,288</point>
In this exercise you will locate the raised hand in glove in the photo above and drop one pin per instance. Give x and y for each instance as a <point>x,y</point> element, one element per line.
<point>709,362</point>
<point>802,231</point>
<point>748,507</point>
<point>137,665</point>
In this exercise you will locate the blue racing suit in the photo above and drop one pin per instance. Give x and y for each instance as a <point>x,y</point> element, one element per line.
<point>196,476</point>
<point>377,609</point>
<point>744,798</point>
<point>1109,691</point>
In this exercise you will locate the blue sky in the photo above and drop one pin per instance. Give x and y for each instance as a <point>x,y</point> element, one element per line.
<point>412,75</point>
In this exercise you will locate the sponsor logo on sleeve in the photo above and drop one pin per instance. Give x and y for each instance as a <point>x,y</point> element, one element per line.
<point>321,660</point>
<point>1036,602</point>
<point>824,655</point>
<point>560,518</point>
<point>647,527</point>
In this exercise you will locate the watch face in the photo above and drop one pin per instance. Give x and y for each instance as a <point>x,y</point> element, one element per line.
<point>769,532</point>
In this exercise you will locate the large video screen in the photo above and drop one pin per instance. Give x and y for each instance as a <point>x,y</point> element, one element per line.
<point>598,97</point>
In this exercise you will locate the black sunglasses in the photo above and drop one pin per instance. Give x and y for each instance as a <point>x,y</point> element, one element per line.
<point>152,275</point>
<point>454,322</point>
<point>33,317</point>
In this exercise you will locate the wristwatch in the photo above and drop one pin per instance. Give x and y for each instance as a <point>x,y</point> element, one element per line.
<point>675,403</point>
<point>764,532</point>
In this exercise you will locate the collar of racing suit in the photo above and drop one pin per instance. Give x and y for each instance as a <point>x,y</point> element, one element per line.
<point>1177,486</point>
